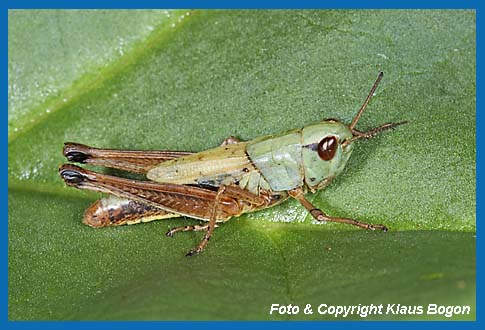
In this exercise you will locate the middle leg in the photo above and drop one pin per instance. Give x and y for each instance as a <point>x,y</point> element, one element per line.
<point>228,192</point>
<point>211,225</point>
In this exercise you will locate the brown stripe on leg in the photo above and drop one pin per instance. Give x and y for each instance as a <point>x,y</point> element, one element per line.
<point>210,226</point>
<point>318,214</point>
<point>228,192</point>
<point>195,202</point>
<point>137,161</point>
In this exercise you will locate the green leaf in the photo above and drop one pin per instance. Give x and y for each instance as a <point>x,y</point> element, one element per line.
<point>185,81</point>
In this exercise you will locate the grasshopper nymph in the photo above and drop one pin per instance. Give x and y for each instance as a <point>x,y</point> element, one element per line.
<point>220,183</point>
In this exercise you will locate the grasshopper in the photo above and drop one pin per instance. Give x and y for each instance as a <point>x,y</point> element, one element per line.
<point>220,183</point>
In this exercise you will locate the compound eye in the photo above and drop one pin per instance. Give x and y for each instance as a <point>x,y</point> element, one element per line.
<point>327,148</point>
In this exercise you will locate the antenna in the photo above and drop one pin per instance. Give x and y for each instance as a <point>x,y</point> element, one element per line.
<point>367,100</point>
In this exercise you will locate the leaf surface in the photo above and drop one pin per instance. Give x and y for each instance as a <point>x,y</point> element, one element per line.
<point>186,82</point>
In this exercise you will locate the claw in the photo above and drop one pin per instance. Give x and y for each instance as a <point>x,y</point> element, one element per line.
<point>381,227</point>
<point>192,252</point>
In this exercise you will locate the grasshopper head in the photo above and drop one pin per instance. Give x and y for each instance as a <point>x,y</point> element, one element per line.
<point>323,153</point>
<point>327,145</point>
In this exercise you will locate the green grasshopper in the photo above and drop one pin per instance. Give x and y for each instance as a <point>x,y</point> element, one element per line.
<point>220,183</point>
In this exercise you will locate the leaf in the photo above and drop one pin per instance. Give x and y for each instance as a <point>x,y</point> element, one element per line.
<point>245,73</point>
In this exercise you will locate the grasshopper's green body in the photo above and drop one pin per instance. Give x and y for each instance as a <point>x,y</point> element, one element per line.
<point>219,183</point>
<point>272,163</point>
<point>290,160</point>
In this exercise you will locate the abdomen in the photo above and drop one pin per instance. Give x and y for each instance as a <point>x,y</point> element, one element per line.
<point>222,165</point>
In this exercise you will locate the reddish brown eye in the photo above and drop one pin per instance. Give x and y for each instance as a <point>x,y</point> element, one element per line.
<point>327,148</point>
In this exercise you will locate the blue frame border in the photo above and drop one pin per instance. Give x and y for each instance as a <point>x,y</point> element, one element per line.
<point>249,4</point>
<point>301,4</point>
